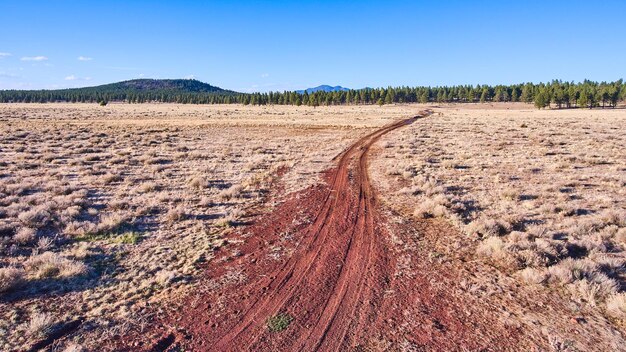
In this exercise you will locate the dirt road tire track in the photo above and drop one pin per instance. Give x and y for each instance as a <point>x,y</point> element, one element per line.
<point>344,293</point>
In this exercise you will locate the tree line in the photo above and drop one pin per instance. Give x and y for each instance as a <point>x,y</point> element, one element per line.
<point>559,94</point>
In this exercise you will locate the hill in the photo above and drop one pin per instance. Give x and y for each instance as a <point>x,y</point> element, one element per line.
<point>170,85</point>
<point>324,88</point>
<point>135,91</point>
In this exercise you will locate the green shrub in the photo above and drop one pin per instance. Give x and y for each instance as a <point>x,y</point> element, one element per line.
<point>279,322</point>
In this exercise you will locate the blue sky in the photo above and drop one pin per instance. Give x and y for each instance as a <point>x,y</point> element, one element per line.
<point>277,45</point>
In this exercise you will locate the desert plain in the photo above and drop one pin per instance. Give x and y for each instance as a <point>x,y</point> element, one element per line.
<point>178,227</point>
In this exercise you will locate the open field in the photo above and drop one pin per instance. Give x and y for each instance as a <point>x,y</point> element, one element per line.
<point>483,227</point>
<point>104,209</point>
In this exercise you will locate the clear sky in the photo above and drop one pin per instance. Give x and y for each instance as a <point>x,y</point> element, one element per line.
<point>276,45</point>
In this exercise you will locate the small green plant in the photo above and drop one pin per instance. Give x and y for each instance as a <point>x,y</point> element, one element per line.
<point>279,322</point>
<point>91,237</point>
<point>128,238</point>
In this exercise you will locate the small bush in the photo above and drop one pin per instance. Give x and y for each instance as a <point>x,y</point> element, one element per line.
<point>491,247</point>
<point>593,292</point>
<point>37,217</point>
<point>533,276</point>
<point>45,243</point>
<point>510,194</point>
<point>147,187</point>
<point>230,193</point>
<point>279,322</point>
<point>488,227</point>
<point>230,219</point>
<point>197,182</point>
<point>25,235</point>
<point>616,306</point>
<point>10,278</point>
<point>128,238</point>
<point>175,214</point>
<point>51,265</point>
<point>40,325</point>
<point>165,277</point>
<point>436,207</point>
<point>110,178</point>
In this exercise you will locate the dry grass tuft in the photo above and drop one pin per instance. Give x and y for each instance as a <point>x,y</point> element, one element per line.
<point>25,235</point>
<point>616,305</point>
<point>40,325</point>
<point>176,214</point>
<point>10,278</point>
<point>52,265</point>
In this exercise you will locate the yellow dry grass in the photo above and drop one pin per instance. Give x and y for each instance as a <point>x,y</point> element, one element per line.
<point>541,193</point>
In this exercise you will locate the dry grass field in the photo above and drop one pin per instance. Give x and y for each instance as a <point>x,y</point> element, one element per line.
<point>107,211</point>
<point>540,194</point>
<point>104,210</point>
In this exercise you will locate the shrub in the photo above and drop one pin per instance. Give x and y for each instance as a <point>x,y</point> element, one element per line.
<point>50,265</point>
<point>616,305</point>
<point>10,278</point>
<point>231,192</point>
<point>175,214</point>
<point>533,276</point>
<point>510,194</point>
<point>197,182</point>
<point>45,243</point>
<point>37,217</point>
<point>111,223</point>
<point>164,277</point>
<point>128,238</point>
<point>620,236</point>
<point>592,292</point>
<point>488,227</point>
<point>147,187</point>
<point>491,247</point>
<point>230,218</point>
<point>25,235</point>
<point>40,325</point>
<point>279,322</point>
<point>110,178</point>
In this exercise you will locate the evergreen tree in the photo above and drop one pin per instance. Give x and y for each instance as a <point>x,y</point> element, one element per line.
<point>542,98</point>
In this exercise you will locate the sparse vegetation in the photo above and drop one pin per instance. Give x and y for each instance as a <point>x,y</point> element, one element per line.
<point>112,217</point>
<point>543,200</point>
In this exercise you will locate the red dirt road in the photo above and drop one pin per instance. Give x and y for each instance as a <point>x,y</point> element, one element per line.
<point>334,282</point>
<point>326,259</point>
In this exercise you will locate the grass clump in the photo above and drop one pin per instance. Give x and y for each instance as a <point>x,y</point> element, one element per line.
<point>279,322</point>
<point>53,265</point>
<point>131,237</point>
<point>10,278</point>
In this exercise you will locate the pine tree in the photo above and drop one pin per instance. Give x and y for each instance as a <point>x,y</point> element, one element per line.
<point>484,96</point>
<point>542,98</point>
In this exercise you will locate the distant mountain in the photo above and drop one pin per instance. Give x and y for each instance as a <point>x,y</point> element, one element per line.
<point>323,88</point>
